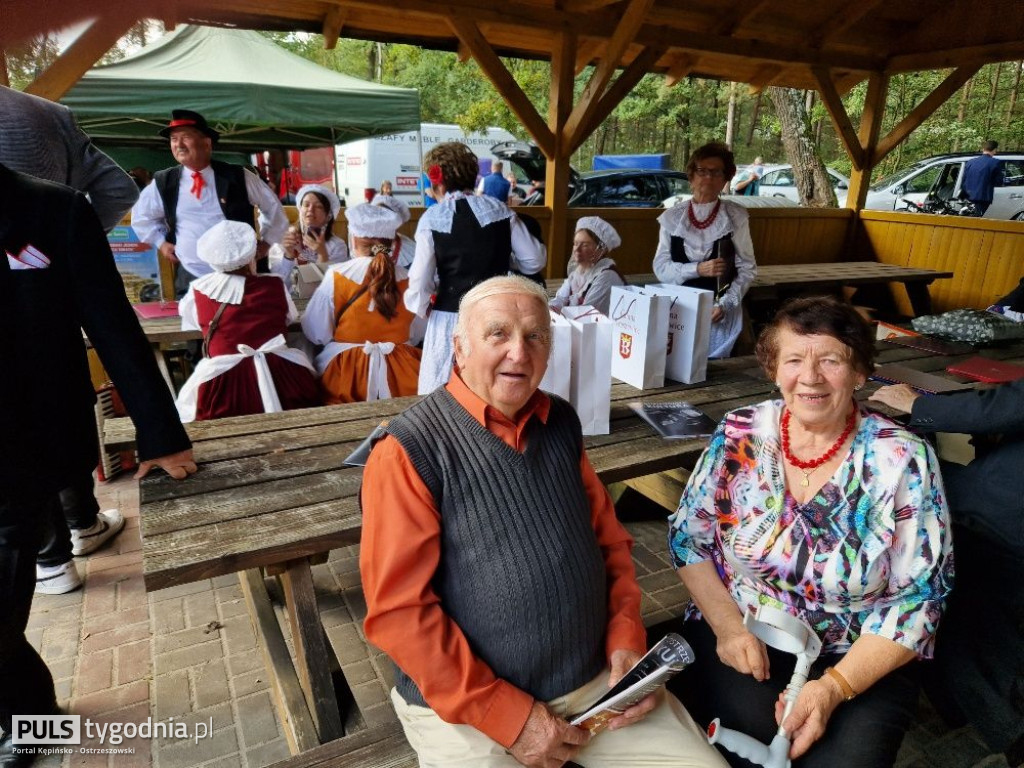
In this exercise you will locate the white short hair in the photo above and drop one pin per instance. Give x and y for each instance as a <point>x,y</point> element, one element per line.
<point>496,286</point>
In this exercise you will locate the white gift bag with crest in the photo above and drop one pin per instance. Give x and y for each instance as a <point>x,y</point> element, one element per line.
<point>558,376</point>
<point>640,337</point>
<point>689,331</point>
<point>591,388</point>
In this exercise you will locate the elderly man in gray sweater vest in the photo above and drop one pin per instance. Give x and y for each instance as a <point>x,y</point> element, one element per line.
<point>496,575</point>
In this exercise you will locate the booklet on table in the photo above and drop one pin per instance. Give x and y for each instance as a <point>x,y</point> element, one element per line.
<point>675,420</point>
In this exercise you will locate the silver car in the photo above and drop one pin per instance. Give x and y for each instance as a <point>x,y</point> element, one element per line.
<point>942,177</point>
<point>778,181</point>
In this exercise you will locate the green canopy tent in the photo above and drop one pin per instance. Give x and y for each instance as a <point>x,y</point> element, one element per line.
<point>255,93</point>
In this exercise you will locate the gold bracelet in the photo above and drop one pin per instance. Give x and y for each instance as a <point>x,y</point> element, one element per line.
<point>842,682</point>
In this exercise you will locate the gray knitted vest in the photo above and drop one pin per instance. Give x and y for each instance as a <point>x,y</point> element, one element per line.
<point>521,572</point>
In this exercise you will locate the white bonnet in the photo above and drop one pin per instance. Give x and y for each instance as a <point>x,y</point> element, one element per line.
<point>604,231</point>
<point>367,220</point>
<point>325,191</point>
<point>227,245</point>
<point>394,204</point>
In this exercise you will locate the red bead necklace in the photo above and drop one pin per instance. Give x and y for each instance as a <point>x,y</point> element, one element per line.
<point>807,467</point>
<point>703,223</point>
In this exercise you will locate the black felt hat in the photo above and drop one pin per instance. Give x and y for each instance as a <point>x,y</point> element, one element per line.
<point>181,118</point>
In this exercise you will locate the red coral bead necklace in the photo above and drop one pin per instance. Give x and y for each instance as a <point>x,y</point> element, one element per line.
<point>703,223</point>
<point>807,467</point>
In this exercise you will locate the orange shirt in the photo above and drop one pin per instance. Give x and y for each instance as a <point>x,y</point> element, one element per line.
<point>398,558</point>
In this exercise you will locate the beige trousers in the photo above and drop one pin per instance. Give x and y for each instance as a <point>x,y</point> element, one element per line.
<point>666,738</point>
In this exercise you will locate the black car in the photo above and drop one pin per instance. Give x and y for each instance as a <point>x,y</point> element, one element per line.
<point>620,188</point>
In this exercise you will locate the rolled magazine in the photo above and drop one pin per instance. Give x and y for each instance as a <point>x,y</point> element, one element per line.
<point>669,656</point>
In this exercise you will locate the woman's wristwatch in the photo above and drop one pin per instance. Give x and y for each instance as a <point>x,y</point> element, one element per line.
<point>842,682</point>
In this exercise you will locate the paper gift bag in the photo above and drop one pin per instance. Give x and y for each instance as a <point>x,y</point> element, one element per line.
<point>558,377</point>
<point>591,388</point>
<point>307,279</point>
<point>689,331</point>
<point>640,337</point>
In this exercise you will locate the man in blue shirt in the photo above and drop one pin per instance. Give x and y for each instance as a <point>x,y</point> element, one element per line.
<point>981,176</point>
<point>495,184</point>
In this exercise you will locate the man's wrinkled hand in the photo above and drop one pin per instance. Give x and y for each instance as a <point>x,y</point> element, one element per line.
<point>898,396</point>
<point>621,662</point>
<point>547,741</point>
<point>178,465</point>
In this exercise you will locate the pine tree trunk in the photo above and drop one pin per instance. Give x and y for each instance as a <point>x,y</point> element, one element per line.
<point>753,119</point>
<point>992,94</point>
<point>730,117</point>
<point>1018,66</point>
<point>965,97</point>
<point>812,182</point>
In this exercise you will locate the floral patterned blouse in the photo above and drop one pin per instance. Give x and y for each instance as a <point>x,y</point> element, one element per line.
<point>871,552</point>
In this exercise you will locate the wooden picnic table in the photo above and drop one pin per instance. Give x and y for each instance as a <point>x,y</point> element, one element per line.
<point>271,492</point>
<point>776,280</point>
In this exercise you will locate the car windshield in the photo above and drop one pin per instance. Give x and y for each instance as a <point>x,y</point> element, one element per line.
<point>887,181</point>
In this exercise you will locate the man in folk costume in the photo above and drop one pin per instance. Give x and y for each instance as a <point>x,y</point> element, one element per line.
<point>247,366</point>
<point>357,313</point>
<point>183,202</point>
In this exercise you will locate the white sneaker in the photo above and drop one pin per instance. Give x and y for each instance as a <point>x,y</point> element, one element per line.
<point>108,524</point>
<point>58,579</point>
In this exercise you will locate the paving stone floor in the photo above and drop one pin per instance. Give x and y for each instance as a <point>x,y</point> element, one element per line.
<point>120,655</point>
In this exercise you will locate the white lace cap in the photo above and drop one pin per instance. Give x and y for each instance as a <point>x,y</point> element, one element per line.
<point>604,231</point>
<point>367,220</point>
<point>392,203</point>
<point>227,245</point>
<point>325,191</point>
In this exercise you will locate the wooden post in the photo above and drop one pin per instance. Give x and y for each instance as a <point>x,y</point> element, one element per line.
<point>556,181</point>
<point>5,78</point>
<point>867,137</point>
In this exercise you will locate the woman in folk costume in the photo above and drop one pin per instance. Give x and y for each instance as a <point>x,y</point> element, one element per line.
<point>595,274</point>
<point>461,241</point>
<point>357,313</point>
<point>247,366</point>
<point>404,248</point>
<point>705,243</point>
<point>313,241</point>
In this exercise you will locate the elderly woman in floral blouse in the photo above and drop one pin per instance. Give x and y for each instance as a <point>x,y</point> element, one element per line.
<point>833,514</point>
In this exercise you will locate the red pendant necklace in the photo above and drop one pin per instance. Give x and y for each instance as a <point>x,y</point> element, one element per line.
<point>703,223</point>
<point>807,467</point>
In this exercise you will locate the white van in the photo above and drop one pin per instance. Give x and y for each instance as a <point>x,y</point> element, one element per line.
<point>362,165</point>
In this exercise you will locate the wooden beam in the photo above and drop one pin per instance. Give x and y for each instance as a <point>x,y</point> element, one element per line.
<point>681,66</point>
<point>763,77</point>
<point>556,181</point>
<point>586,52</point>
<point>944,59</point>
<point>463,53</point>
<point>469,34</point>
<point>296,720</point>
<point>924,110</point>
<point>5,78</point>
<point>841,120</point>
<point>583,6</point>
<point>625,83</point>
<point>334,22</point>
<point>867,138</point>
<point>80,56</point>
<point>741,13</point>
<point>631,22</point>
<point>841,21</point>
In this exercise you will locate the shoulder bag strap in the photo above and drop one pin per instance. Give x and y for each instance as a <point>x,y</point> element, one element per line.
<point>350,302</point>
<point>213,328</point>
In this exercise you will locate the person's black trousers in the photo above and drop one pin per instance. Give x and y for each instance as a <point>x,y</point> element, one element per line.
<point>26,686</point>
<point>78,508</point>
<point>863,733</point>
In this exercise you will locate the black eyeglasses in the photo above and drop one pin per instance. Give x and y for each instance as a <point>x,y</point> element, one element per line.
<point>714,173</point>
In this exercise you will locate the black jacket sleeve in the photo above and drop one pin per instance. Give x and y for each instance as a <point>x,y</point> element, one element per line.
<point>990,411</point>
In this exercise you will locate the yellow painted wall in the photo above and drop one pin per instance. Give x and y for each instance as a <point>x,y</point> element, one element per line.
<point>986,257</point>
